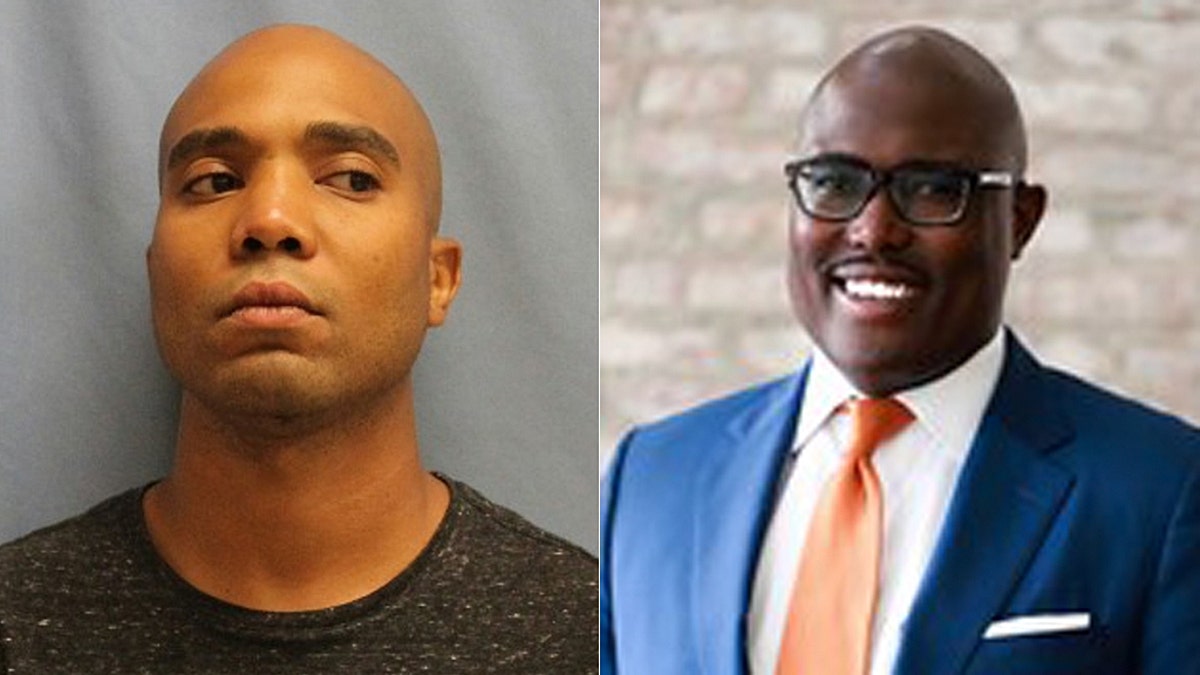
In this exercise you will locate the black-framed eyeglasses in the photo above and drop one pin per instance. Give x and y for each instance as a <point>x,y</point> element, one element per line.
<point>838,187</point>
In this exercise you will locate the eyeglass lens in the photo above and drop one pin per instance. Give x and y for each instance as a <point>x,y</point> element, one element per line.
<point>837,190</point>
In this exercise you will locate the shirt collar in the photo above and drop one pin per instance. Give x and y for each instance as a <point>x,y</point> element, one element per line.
<point>949,407</point>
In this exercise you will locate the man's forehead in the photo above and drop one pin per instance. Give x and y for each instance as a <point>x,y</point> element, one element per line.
<point>926,93</point>
<point>281,43</point>
<point>863,105</point>
<point>298,84</point>
<point>879,78</point>
<point>295,72</point>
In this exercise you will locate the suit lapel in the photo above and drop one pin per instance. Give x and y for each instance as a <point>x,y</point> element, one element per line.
<point>735,499</point>
<point>1007,496</point>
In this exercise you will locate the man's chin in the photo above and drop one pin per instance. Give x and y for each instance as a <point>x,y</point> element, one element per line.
<point>876,367</point>
<point>279,390</point>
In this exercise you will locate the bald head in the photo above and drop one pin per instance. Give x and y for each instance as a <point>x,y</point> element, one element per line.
<point>259,68</point>
<point>925,78</point>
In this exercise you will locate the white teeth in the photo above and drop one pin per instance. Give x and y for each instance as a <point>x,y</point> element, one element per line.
<point>877,290</point>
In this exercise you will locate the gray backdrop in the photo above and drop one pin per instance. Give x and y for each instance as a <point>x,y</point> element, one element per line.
<point>506,391</point>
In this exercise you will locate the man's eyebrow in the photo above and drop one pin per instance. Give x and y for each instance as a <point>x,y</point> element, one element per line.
<point>201,141</point>
<point>353,137</point>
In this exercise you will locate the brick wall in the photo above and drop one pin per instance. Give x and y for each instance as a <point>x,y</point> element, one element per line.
<point>698,109</point>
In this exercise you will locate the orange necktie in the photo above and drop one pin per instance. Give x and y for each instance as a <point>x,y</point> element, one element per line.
<point>828,629</point>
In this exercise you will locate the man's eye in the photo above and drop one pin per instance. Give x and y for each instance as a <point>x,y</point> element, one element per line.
<point>353,181</point>
<point>935,187</point>
<point>214,184</point>
<point>833,182</point>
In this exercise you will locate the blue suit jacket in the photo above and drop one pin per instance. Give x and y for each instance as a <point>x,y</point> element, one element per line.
<point>1071,500</point>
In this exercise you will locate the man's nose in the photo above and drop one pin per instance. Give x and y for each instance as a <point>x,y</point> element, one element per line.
<point>879,226</point>
<point>277,216</point>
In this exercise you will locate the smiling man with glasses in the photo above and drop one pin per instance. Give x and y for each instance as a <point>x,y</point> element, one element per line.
<point>922,496</point>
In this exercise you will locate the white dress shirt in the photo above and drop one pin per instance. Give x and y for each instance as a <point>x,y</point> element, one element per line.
<point>917,469</point>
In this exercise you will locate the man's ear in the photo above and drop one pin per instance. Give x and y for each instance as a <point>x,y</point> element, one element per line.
<point>445,274</point>
<point>1029,203</point>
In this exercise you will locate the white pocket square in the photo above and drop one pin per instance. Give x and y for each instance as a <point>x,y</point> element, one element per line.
<point>1037,624</point>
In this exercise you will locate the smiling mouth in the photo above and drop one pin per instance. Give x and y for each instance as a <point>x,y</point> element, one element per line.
<point>875,294</point>
<point>876,289</point>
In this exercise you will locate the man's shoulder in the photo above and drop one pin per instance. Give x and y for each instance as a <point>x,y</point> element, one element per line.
<point>1110,440</point>
<point>61,566</point>
<point>1105,415</point>
<point>669,467</point>
<point>502,545</point>
<point>490,567</point>
<point>1105,408</point>
<point>742,407</point>
<point>508,534</point>
<point>71,541</point>
<point>677,446</point>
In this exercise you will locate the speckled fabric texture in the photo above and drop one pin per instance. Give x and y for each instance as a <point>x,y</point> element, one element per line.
<point>490,594</point>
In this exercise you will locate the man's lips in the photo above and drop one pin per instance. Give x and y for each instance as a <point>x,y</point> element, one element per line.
<point>269,299</point>
<point>876,283</point>
<point>877,289</point>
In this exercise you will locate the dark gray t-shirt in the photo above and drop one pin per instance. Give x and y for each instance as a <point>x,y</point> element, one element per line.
<point>491,593</point>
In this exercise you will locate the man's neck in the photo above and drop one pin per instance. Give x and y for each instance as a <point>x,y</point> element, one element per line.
<point>296,523</point>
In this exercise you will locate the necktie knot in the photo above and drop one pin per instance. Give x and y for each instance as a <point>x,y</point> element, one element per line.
<point>873,421</point>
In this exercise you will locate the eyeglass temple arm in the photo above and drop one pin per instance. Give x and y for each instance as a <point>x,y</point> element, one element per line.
<point>996,179</point>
